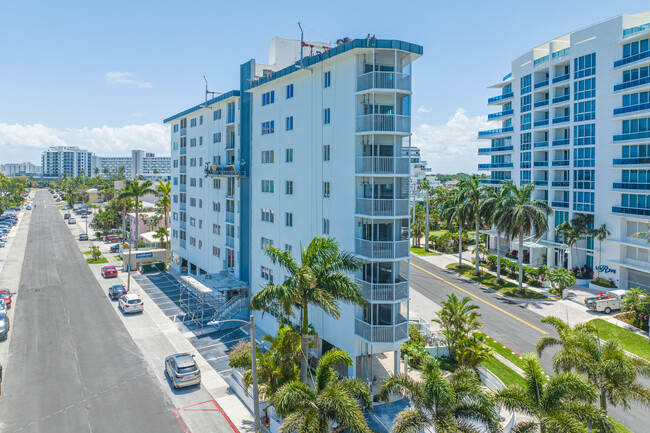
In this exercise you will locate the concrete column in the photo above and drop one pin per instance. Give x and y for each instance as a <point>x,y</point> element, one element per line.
<point>406,364</point>
<point>396,357</point>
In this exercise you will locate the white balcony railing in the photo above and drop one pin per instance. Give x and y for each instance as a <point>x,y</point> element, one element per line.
<point>381,333</point>
<point>384,80</point>
<point>383,123</point>
<point>382,207</point>
<point>384,291</point>
<point>382,249</point>
<point>382,165</point>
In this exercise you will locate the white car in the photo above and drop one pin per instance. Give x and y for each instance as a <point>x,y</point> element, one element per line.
<point>131,303</point>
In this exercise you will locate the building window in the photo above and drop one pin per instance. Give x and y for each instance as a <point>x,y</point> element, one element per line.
<point>288,219</point>
<point>193,221</point>
<point>267,274</point>
<point>326,226</point>
<point>288,247</point>
<point>584,135</point>
<point>216,251</point>
<point>525,121</point>
<point>288,187</point>
<point>216,206</point>
<point>326,189</point>
<point>216,183</point>
<point>266,243</point>
<point>192,181</point>
<point>289,155</point>
<point>175,198</point>
<point>267,186</point>
<point>290,123</point>
<point>584,157</point>
<point>192,201</point>
<point>192,142</point>
<point>231,112</point>
<point>585,110</point>
<point>584,89</point>
<point>268,215</point>
<point>267,156</point>
<point>192,241</point>
<point>176,127</point>
<point>193,122</point>
<point>192,162</point>
<point>326,152</point>
<point>268,98</point>
<point>268,127</point>
<point>216,115</point>
<point>175,163</point>
<point>526,103</point>
<point>328,79</point>
<point>326,116</point>
<point>584,66</point>
<point>216,229</point>
<point>216,137</point>
<point>526,84</point>
<point>290,91</point>
<point>175,181</point>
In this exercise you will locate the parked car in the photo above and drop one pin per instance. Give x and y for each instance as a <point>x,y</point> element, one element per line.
<point>66,216</point>
<point>112,238</point>
<point>114,248</point>
<point>83,237</point>
<point>114,292</point>
<point>131,303</point>
<point>28,207</point>
<point>109,272</point>
<point>182,370</point>
<point>71,220</point>
<point>5,297</point>
<point>607,302</point>
<point>3,307</point>
<point>4,325</point>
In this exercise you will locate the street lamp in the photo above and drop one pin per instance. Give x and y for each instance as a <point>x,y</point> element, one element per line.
<point>256,398</point>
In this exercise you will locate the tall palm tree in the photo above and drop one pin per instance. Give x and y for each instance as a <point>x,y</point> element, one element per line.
<point>426,188</point>
<point>569,235</point>
<point>315,408</point>
<point>523,216</point>
<point>458,319</point>
<point>161,234</point>
<point>320,280</point>
<point>417,226</point>
<point>472,193</point>
<point>454,210</point>
<point>606,365</point>
<point>562,403</point>
<point>492,209</point>
<point>600,234</point>
<point>454,403</point>
<point>136,189</point>
<point>164,202</point>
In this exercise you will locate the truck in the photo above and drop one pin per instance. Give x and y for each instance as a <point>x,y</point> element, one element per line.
<point>606,303</point>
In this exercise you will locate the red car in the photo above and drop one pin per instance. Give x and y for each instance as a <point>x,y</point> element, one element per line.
<point>109,271</point>
<point>112,238</point>
<point>5,297</point>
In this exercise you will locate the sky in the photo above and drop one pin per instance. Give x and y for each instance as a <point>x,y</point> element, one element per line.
<point>103,75</point>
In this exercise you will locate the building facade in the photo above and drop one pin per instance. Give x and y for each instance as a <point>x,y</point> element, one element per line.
<point>63,160</point>
<point>305,147</point>
<point>575,120</point>
<point>140,164</point>
<point>20,169</point>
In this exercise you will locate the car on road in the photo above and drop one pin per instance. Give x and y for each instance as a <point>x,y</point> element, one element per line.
<point>71,221</point>
<point>112,238</point>
<point>66,216</point>
<point>114,248</point>
<point>109,272</point>
<point>182,370</point>
<point>28,207</point>
<point>3,307</point>
<point>114,292</point>
<point>4,325</point>
<point>131,303</point>
<point>83,237</point>
<point>5,297</point>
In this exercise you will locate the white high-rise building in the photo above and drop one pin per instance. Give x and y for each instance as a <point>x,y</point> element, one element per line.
<point>575,119</point>
<point>419,171</point>
<point>19,169</point>
<point>71,161</point>
<point>305,148</point>
<point>140,164</point>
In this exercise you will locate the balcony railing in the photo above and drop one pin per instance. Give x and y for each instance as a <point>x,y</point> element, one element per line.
<point>183,132</point>
<point>632,136</point>
<point>382,249</point>
<point>633,83</point>
<point>560,163</point>
<point>495,165</point>
<point>380,333</point>
<point>495,181</point>
<point>500,114</point>
<point>563,142</point>
<point>561,119</point>
<point>541,84</point>
<point>382,165</point>
<point>631,161</point>
<point>543,183</point>
<point>632,108</point>
<point>542,103</point>
<point>230,142</point>
<point>632,186</point>
<point>541,144</point>
<point>562,204</point>
<point>382,207</point>
<point>561,183</point>
<point>488,150</point>
<point>384,80</point>
<point>540,164</point>
<point>384,291</point>
<point>631,210</point>
<point>502,97</point>
<point>230,217</point>
<point>495,131</point>
<point>224,170</point>
<point>383,123</point>
<point>230,241</point>
<point>543,122</point>
<point>561,78</point>
<point>561,99</point>
<point>631,59</point>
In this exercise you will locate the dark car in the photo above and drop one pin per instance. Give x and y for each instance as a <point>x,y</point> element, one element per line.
<point>66,216</point>
<point>83,237</point>
<point>4,325</point>
<point>114,292</point>
<point>182,370</point>
<point>114,248</point>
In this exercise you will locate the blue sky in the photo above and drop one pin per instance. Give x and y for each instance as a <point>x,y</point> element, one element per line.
<point>103,75</point>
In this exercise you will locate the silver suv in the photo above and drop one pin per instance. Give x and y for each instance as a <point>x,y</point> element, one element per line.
<point>182,370</point>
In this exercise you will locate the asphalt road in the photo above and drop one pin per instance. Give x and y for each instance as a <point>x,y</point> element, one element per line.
<point>507,321</point>
<point>72,365</point>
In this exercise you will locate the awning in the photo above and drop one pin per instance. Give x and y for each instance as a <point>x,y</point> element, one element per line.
<point>543,243</point>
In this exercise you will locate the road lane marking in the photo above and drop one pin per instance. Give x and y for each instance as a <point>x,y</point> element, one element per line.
<point>482,300</point>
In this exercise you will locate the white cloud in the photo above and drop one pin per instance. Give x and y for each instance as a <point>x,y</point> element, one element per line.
<point>26,142</point>
<point>125,78</point>
<point>453,146</point>
<point>422,109</point>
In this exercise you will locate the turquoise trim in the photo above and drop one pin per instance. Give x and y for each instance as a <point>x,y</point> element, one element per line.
<point>356,43</point>
<point>232,93</point>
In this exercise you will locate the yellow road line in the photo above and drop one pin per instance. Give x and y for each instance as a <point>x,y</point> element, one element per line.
<point>482,300</point>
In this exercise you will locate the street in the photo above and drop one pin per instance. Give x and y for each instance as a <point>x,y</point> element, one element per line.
<point>72,365</point>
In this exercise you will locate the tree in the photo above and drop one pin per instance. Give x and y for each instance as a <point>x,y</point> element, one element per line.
<point>136,189</point>
<point>161,234</point>
<point>454,210</point>
<point>441,403</point>
<point>493,208</point>
<point>522,216</point>
<point>319,280</point>
<point>568,234</point>
<point>472,351</point>
<point>417,226</point>
<point>561,404</point>
<point>472,194</point>
<point>94,251</point>
<point>600,234</point>
<point>164,202</point>
<point>606,365</point>
<point>561,279</point>
<point>315,409</point>
<point>426,188</point>
<point>458,319</point>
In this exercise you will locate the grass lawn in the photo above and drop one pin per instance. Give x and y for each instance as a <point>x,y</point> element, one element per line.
<point>101,260</point>
<point>87,252</point>
<point>503,351</point>
<point>118,258</point>
<point>421,252</point>
<point>438,232</point>
<point>503,372</point>
<point>489,280</point>
<point>629,340</point>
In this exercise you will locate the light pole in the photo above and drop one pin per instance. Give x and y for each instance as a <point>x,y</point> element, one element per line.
<point>256,398</point>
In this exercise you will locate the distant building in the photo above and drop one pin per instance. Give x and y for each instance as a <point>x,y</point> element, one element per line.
<point>69,160</point>
<point>419,171</point>
<point>139,164</point>
<point>20,169</point>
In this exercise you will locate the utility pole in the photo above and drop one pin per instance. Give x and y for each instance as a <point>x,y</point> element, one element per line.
<point>256,399</point>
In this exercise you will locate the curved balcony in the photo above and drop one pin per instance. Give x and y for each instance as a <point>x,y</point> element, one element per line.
<point>384,123</point>
<point>381,333</point>
<point>383,165</point>
<point>382,207</point>
<point>631,211</point>
<point>382,249</point>
<point>501,98</point>
<point>490,150</point>
<point>398,291</point>
<point>498,131</point>
<point>384,80</point>
<point>501,114</point>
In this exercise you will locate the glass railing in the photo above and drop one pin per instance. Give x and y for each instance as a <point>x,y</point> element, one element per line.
<point>633,83</point>
<point>541,183</point>
<point>632,136</point>
<point>632,108</point>
<point>495,181</point>
<point>507,76</point>
<point>540,164</point>
<point>183,132</point>
<point>561,163</point>
<point>501,97</point>
<point>540,60</point>
<point>500,114</point>
<point>561,78</point>
<point>485,150</point>
<point>560,183</point>
<point>383,165</point>
<point>543,122</point>
<point>636,29</point>
<point>631,59</point>
<point>541,144</point>
<point>561,53</point>
<point>583,207</point>
<point>564,142</point>
<point>562,204</point>
<point>631,161</point>
<point>225,170</point>
<point>631,210</point>
<point>384,80</point>
<point>542,103</point>
<point>632,185</point>
<point>561,119</point>
<point>495,131</point>
<point>495,165</point>
<point>541,84</point>
<point>562,98</point>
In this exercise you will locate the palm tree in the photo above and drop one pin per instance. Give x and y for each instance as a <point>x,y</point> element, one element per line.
<point>426,187</point>
<point>454,210</point>
<point>161,234</point>
<point>458,319</point>
<point>562,403</point>
<point>315,409</point>
<point>417,226</point>
<point>522,216</point>
<point>568,234</point>
<point>454,403</point>
<point>600,234</point>
<point>472,194</point>
<point>319,280</point>
<point>606,365</point>
<point>492,209</point>
<point>562,279</point>
<point>164,202</point>
<point>635,301</point>
<point>136,189</point>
